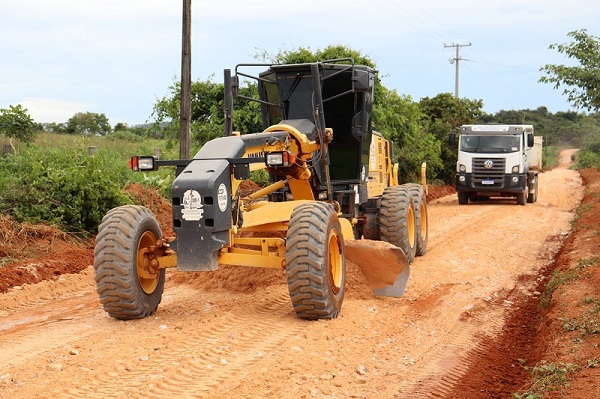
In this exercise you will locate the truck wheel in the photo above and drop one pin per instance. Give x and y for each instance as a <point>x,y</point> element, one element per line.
<point>532,197</point>
<point>126,289</point>
<point>522,197</point>
<point>422,223</point>
<point>315,261</point>
<point>397,224</point>
<point>463,198</point>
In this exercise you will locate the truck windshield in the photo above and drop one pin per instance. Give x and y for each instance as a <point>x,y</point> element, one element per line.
<point>489,143</point>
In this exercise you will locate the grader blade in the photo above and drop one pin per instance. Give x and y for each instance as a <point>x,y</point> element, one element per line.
<point>384,265</point>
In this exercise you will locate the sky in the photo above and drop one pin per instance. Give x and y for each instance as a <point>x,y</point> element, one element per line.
<point>117,57</point>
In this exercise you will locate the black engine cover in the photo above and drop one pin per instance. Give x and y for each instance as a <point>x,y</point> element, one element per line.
<point>202,205</point>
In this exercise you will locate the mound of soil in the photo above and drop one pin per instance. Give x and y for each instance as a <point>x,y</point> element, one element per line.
<point>33,253</point>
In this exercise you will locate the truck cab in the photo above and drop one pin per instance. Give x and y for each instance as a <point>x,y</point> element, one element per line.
<point>494,161</point>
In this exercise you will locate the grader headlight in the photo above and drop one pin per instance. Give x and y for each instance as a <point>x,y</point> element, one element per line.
<point>279,158</point>
<point>143,164</point>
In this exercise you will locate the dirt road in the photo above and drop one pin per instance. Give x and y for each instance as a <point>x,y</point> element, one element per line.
<point>233,334</point>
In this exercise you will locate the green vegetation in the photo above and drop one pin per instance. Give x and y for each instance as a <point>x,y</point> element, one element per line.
<point>587,324</point>
<point>580,86</point>
<point>557,278</point>
<point>56,181</point>
<point>589,321</point>
<point>15,123</point>
<point>580,81</point>
<point>64,187</point>
<point>547,377</point>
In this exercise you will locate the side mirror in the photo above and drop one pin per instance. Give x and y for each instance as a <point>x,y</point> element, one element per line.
<point>530,140</point>
<point>363,81</point>
<point>452,139</point>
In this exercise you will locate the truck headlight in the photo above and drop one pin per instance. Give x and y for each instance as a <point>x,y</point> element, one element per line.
<point>462,168</point>
<point>461,179</point>
<point>515,179</point>
<point>515,169</point>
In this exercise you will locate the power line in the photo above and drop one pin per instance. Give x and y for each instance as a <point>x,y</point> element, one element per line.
<point>457,59</point>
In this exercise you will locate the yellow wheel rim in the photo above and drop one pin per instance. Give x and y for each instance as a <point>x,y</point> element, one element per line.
<point>147,284</point>
<point>423,213</point>
<point>335,262</point>
<point>411,226</point>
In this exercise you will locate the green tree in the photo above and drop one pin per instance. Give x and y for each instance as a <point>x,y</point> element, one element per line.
<point>442,114</point>
<point>398,118</point>
<point>582,81</point>
<point>54,127</point>
<point>88,123</point>
<point>207,111</point>
<point>121,127</point>
<point>16,123</point>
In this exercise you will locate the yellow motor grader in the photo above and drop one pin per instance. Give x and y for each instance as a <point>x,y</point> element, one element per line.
<point>333,194</point>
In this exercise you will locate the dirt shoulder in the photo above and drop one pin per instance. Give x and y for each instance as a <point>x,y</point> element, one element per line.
<point>549,345</point>
<point>569,334</point>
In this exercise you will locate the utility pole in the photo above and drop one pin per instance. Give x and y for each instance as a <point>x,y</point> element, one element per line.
<point>185,131</point>
<point>457,59</point>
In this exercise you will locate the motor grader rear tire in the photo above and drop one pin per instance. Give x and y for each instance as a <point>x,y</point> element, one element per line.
<point>397,223</point>
<point>118,263</point>
<point>315,261</point>
<point>421,220</point>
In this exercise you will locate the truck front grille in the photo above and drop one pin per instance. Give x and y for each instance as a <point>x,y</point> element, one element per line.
<point>488,172</point>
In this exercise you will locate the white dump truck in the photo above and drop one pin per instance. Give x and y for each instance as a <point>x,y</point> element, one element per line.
<point>497,161</point>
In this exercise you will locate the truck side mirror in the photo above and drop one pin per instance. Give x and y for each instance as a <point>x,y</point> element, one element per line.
<point>452,139</point>
<point>530,140</point>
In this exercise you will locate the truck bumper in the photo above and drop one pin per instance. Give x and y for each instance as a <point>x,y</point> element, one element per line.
<point>512,183</point>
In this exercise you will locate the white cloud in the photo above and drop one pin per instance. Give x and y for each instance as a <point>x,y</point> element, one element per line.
<point>44,110</point>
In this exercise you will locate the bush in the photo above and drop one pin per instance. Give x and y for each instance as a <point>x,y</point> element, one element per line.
<point>63,187</point>
<point>588,159</point>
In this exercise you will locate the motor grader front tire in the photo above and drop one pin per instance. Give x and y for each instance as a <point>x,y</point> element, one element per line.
<point>315,261</point>
<point>397,223</point>
<point>127,288</point>
<point>421,220</point>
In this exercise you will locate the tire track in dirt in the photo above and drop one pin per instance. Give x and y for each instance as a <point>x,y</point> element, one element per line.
<point>56,307</point>
<point>31,296</point>
<point>229,346</point>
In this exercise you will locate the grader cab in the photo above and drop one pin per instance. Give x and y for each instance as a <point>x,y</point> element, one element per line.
<point>333,195</point>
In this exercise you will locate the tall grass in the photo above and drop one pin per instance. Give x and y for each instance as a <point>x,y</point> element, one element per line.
<point>58,181</point>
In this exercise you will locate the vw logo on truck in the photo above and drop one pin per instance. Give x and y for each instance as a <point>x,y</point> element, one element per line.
<point>488,164</point>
